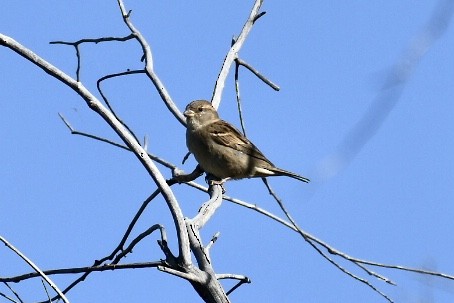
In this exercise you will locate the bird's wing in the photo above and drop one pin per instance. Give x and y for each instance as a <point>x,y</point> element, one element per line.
<point>225,134</point>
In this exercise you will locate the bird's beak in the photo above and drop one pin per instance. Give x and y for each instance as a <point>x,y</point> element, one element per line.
<point>188,113</point>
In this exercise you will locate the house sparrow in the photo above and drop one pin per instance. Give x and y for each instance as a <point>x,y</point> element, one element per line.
<point>221,150</point>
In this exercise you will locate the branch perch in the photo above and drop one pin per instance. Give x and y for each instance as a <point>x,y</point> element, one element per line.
<point>232,54</point>
<point>94,104</point>
<point>35,268</point>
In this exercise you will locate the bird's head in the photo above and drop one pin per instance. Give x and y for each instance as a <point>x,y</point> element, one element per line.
<point>199,113</point>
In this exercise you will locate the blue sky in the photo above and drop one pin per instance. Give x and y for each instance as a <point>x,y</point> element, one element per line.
<point>66,200</point>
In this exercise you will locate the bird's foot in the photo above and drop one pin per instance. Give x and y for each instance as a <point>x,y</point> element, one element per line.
<point>217,182</point>
<point>211,180</point>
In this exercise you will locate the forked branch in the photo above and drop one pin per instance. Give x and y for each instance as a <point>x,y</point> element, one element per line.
<point>232,54</point>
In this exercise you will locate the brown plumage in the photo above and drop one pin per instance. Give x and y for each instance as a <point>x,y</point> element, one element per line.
<point>222,150</point>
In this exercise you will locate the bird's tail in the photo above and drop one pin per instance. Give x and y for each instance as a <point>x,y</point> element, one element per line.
<point>281,172</point>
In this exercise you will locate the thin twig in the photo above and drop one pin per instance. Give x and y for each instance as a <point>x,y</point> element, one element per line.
<point>126,235</point>
<point>242,280</point>
<point>404,268</point>
<point>212,241</point>
<point>35,268</point>
<point>97,106</point>
<point>309,236</point>
<point>96,40</point>
<point>180,177</point>
<point>47,293</point>
<point>14,293</point>
<point>149,69</point>
<point>238,98</point>
<point>309,241</point>
<point>233,276</point>
<point>86,269</point>
<point>258,74</point>
<point>131,225</point>
<point>187,276</point>
<point>76,132</point>
<point>8,298</point>
<point>98,85</point>
<point>232,53</point>
<point>120,246</point>
<point>139,238</point>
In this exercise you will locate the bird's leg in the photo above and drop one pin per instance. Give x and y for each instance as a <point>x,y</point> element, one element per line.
<point>218,182</point>
<point>213,180</point>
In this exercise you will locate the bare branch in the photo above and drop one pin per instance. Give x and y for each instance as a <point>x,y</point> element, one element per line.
<point>329,248</point>
<point>149,65</point>
<point>258,74</point>
<point>98,85</point>
<point>239,62</point>
<point>83,134</point>
<point>120,246</point>
<point>185,157</point>
<point>232,54</point>
<point>96,40</point>
<point>205,283</point>
<point>310,241</point>
<point>133,243</point>
<point>232,276</point>
<point>35,268</point>
<point>208,208</point>
<point>121,131</point>
<point>179,176</point>
<point>47,293</point>
<point>188,230</point>
<point>87,269</point>
<point>194,225</point>
<point>241,282</point>
<point>405,268</point>
<point>238,98</point>
<point>212,241</point>
<point>8,298</point>
<point>19,300</point>
<point>187,276</point>
<point>259,15</point>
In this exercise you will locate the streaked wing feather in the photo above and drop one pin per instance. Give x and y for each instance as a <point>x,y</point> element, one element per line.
<point>225,134</point>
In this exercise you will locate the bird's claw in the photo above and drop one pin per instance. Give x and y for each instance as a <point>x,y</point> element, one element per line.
<point>211,181</point>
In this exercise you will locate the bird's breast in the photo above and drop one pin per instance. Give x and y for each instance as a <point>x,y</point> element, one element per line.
<point>217,159</point>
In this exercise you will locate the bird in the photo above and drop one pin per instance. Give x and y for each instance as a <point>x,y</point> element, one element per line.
<point>222,151</point>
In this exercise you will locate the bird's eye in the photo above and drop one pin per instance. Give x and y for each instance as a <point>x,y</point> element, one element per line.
<point>200,109</point>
